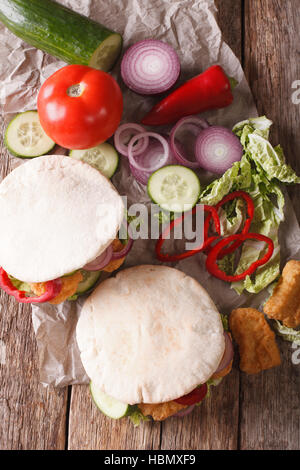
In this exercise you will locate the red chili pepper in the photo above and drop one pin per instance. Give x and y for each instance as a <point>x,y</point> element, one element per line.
<point>209,90</point>
<point>206,243</point>
<point>250,214</point>
<point>213,256</point>
<point>53,288</point>
<point>197,395</point>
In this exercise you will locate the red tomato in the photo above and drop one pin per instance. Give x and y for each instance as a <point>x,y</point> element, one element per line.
<point>80,107</point>
<point>193,397</point>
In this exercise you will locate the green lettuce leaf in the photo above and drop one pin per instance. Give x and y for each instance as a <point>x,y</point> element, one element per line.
<point>20,285</point>
<point>288,334</point>
<point>137,417</point>
<point>211,383</point>
<point>271,159</point>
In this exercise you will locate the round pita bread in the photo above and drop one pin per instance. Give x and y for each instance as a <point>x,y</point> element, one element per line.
<point>150,335</point>
<point>57,214</point>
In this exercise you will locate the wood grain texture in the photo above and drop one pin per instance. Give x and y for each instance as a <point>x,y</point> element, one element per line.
<point>230,22</point>
<point>272,64</point>
<point>31,416</point>
<point>89,429</point>
<point>270,402</point>
<point>213,425</point>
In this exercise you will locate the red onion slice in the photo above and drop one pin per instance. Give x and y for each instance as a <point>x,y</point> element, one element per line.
<point>155,163</point>
<point>153,149</point>
<point>228,354</point>
<point>124,134</point>
<point>195,125</point>
<point>124,252</point>
<point>150,67</point>
<point>101,261</point>
<point>128,246</point>
<point>217,148</point>
<point>184,412</point>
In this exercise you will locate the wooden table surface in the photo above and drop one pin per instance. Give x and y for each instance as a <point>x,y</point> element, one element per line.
<point>245,412</point>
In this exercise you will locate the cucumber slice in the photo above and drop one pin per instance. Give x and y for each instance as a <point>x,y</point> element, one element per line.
<point>89,280</point>
<point>107,53</point>
<point>109,406</point>
<point>25,137</point>
<point>175,188</point>
<point>103,157</point>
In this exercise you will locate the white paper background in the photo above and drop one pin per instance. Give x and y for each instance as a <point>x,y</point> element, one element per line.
<point>190,27</point>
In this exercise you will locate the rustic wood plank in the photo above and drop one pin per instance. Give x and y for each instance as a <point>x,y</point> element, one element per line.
<point>89,429</point>
<point>213,425</point>
<point>270,402</point>
<point>32,417</point>
<point>230,22</point>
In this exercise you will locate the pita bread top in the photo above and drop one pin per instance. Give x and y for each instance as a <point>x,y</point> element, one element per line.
<point>149,335</point>
<point>57,215</point>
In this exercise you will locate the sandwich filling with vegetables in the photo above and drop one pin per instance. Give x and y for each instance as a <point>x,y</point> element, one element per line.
<point>62,220</point>
<point>152,342</point>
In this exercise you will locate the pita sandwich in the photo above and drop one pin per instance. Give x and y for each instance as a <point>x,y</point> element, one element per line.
<point>59,214</point>
<point>149,336</point>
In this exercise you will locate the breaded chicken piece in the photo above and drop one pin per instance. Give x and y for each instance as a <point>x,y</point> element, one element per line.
<point>284,304</point>
<point>161,411</point>
<point>68,288</point>
<point>116,263</point>
<point>257,344</point>
<point>222,373</point>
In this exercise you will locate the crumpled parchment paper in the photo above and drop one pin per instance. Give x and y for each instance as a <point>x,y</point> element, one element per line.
<point>190,27</point>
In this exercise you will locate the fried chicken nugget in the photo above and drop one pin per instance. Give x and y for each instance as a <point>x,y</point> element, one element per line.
<point>68,288</point>
<point>284,304</point>
<point>161,411</point>
<point>116,263</point>
<point>257,344</point>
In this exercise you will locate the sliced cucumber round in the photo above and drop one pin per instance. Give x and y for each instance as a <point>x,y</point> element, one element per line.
<point>174,188</point>
<point>89,280</point>
<point>103,157</point>
<point>25,137</point>
<point>111,407</point>
<point>107,53</point>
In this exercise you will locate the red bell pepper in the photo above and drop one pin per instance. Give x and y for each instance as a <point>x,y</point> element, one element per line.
<point>248,221</point>
<point>213,256</point>
<point>206,242</point>
<point>53,288</point>
<point>209,90</point>
<point>196,396</point>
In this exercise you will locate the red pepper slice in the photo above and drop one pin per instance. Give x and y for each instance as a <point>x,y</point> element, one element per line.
<point>206,243</point>
<point>53,288</point>
<point>214,255</point>
<point>250,213</point>
<point>209,90</point>
<point>197,395</point>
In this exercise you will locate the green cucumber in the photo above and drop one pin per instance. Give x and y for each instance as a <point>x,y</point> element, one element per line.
<point>25,138</point>
<point>89,280</point>
<point>61,32</point>
<point>175,188</point>
<point>103,157</point>
<point>111,407</point>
